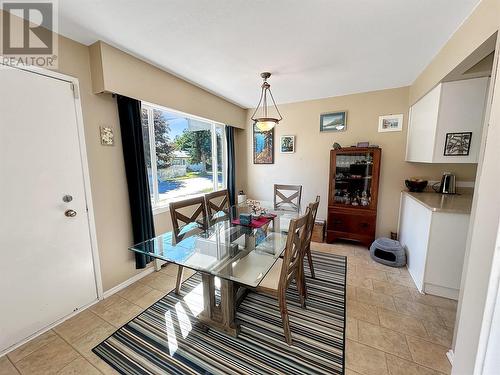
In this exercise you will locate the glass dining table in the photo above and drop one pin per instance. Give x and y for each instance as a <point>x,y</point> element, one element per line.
<point>239,256</point>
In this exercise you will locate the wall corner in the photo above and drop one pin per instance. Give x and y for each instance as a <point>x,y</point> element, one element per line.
<point>96,67</point>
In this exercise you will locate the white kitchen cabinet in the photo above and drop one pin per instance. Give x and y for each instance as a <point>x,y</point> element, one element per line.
<point>414,230</point>
<point>434,240</point>
<point>451,107</point>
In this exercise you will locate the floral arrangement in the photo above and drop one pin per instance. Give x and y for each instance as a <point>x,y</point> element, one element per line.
<point>254,206</point>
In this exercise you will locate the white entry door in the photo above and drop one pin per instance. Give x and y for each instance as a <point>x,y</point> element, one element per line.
<point>46,263</point>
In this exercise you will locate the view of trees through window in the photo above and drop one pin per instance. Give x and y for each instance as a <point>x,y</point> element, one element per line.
<point>182,153</point>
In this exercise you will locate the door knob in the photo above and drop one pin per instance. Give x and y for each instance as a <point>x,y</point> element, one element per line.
<point>70,213</point>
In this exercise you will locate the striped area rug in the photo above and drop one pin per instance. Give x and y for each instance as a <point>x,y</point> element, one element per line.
<point>165,339</point>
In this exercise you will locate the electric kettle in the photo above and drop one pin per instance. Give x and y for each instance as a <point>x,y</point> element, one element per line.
<point>447,185</point>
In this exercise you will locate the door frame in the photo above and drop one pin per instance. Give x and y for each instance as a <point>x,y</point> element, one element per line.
<point>475,323</point>
<point>84,160</point>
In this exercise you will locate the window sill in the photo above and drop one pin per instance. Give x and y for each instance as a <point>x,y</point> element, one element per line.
<point>164,205</point>
<point>161,209</point>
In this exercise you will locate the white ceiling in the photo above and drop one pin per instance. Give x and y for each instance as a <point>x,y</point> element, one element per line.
<point>314,48</point>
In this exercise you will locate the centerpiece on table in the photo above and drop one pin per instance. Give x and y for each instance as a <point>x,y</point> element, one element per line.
<point>256,217</point>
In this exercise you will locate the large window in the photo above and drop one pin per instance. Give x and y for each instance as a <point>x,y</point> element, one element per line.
<point>185,155</point>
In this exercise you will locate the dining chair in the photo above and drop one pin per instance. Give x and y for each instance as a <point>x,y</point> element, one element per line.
<point>314,210</point>
<point>217,206</point>
<point>287,196</point>
<point>186,224</point>
<point>287,269</point>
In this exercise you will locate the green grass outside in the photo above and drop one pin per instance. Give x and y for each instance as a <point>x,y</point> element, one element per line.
<point>189,175</point>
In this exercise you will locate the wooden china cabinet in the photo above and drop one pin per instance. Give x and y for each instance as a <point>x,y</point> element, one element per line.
<point>353,193</point>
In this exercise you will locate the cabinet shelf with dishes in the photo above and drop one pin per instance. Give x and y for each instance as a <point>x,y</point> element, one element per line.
<point>353,193</point>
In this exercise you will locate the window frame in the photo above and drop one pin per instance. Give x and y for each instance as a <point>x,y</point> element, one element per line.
<point>158,205</point>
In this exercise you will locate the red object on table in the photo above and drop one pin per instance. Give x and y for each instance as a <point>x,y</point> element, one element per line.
<point>256,223</point>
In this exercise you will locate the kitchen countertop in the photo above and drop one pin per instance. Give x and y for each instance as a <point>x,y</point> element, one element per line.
<point>460,203</point>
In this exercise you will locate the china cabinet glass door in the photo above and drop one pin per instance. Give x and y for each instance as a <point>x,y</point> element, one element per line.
<point>354,179</point>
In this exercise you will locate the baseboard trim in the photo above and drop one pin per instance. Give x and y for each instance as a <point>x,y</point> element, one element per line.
<point>441,291</point>
<point>417,285</point>
<point>45,329</point>
<point>126,283</point>
<point>450,355</point>
<point>106,294</point>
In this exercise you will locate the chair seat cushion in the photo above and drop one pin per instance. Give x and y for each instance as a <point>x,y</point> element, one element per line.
<point>270,282</point>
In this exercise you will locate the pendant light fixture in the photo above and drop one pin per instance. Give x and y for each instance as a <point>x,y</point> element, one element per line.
<point>265,122</point>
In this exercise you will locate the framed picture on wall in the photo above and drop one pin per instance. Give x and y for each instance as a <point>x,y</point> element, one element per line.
<point>333,122</point>
<point>457,144</point>
<point>390,123</point>
<point>263,146</point>
<point>107,136</point>
<point>287,144</point>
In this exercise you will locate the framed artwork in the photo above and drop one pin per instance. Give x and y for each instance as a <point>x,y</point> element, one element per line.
<point>263,146</point>
<point>333,122</point>
<point>457,144</point>
<point>287,144</point>
<point>107,136</point>
<point>390,123</point>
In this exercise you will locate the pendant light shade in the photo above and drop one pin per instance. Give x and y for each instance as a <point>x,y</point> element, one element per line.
<point>265,122</point>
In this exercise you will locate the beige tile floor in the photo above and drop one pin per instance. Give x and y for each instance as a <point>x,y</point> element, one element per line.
<point>391,328</point>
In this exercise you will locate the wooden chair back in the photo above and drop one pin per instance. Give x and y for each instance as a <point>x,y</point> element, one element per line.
<point>180,220</point>
<point>313,207</point>
<point>217,202</point>
<point>287,196</point>
<point>293,251</point>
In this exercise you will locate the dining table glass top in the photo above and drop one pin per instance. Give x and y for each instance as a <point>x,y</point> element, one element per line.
<point>239,253</point>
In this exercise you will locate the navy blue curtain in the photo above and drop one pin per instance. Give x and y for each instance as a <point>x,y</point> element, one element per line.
<point>231,167</point>
<point>129,111</point>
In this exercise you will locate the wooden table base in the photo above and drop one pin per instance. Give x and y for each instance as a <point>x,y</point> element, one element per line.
<point>222,316</point>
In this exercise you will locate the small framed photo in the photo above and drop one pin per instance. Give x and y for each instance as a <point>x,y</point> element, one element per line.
<point>333,122</point>
<point>363,144</point>
<point>287,144</point>
<point>457,144</point>
<point>107,136</point>
<point>390,123</point>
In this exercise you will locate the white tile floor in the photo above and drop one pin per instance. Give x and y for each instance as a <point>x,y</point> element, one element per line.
<point>391,328</point>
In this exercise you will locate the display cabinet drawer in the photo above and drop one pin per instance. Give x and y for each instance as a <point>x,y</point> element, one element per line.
<point>352,223</point>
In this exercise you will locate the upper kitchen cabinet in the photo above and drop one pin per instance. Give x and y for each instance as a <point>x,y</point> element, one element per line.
<point>451,107</point>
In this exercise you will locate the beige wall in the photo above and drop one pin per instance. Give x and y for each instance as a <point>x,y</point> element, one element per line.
<point>482,23</point>
<point>106,167</point>
<point>482,244</point>
<point>107,172</point>
<point>163,223</point>
<point>309,165</point>
<point>109,186</point>
<point>118,72</point>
